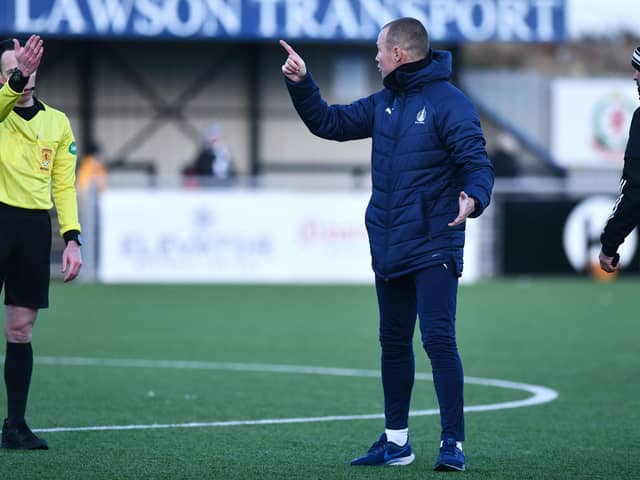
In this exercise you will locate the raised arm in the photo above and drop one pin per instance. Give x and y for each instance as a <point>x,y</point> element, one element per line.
<point>333,122</point>
<point>28,59</point>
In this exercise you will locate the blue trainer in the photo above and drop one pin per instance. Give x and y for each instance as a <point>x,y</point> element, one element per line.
<point>384,452</point>
<point>451,458</point>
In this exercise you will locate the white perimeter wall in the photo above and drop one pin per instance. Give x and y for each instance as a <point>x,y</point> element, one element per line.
<point>242,236</point>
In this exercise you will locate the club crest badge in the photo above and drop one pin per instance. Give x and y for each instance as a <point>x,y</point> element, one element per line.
<point>45,159</point>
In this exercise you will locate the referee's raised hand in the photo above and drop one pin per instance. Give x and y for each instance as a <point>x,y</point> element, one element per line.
<point>294,67</point>
<point>29,56</point>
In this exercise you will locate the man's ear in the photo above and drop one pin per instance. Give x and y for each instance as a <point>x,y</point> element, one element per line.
<point>397,54</point>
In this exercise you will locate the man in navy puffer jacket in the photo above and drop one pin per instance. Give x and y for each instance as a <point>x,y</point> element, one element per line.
<point>430,172</point>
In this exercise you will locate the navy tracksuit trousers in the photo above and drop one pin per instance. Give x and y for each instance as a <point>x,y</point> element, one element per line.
<point>430,295</point>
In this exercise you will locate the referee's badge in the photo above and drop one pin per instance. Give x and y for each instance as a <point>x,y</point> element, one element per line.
<point>45,160</point>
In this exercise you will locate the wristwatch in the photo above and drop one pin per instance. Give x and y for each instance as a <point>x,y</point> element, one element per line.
<point>73,235</point>
<point>17,80</point>
<point>17,76</point>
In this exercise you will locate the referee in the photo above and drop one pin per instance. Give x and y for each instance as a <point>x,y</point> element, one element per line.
<point>37,157</point>
<point>626,212</point>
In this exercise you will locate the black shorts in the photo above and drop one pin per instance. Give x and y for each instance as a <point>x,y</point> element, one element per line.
<point>25,256</point>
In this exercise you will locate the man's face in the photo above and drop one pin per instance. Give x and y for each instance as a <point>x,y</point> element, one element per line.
<point>636,77</point>
<point>385,58</point>
<point>8,63</point>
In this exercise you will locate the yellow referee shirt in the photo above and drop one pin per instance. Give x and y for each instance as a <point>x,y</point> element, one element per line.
<point>37,157</point>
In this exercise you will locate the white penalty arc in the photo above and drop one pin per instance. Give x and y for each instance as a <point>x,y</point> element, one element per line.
<point>538,394</point>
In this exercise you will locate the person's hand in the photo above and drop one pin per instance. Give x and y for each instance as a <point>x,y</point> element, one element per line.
<point>294,68</point>
<point>71,261</point>
<point>609,264</point>
<point>29,56</point>
<point>467,205</point>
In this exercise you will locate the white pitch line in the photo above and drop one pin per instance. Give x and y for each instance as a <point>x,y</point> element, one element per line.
<point>539,394</point>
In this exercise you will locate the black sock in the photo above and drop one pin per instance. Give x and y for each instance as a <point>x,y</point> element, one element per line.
<point>18,365</point>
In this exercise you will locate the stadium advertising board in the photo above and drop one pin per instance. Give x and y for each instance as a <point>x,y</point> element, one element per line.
<point>447,20</point>
<point>239,237</point>
<point>590,121</point>
<point>559,236</point>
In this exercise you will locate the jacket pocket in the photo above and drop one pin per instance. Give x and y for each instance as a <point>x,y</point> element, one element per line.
<point>426,205</point>
<point>457,266</point>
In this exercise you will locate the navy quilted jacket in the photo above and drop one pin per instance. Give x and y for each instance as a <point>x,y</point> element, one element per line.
<point>427,146</point>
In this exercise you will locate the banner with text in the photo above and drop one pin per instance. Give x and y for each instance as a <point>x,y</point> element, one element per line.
<point>240,237</point>
<point>338,20</point>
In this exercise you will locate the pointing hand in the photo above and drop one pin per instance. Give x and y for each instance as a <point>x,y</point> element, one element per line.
<point>294,68</point>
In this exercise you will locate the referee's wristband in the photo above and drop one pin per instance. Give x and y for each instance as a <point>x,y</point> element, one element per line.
<point>72,235</point>
<point>17,81</point>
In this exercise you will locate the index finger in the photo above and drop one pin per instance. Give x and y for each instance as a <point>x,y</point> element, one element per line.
<point>287,47</point>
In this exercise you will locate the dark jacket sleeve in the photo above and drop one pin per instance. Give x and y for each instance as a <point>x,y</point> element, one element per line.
<point>626,211</point>
<point>333,122</point>
<point>625,216</point>
<point>460,131</point>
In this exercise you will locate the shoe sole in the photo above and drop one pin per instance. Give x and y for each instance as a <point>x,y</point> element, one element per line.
<point>392,462</point>
<point>397,462</point>
<point>445,467</point>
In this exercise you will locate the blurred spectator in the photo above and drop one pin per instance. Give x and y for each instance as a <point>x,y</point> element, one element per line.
<point>504,156</point>
<point>92,170</point>
<point>214,158</point>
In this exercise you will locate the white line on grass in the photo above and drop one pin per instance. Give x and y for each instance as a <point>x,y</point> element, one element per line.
<point>539,394</point>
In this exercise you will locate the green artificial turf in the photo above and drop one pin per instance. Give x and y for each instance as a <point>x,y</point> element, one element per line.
<point>575,336</point>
